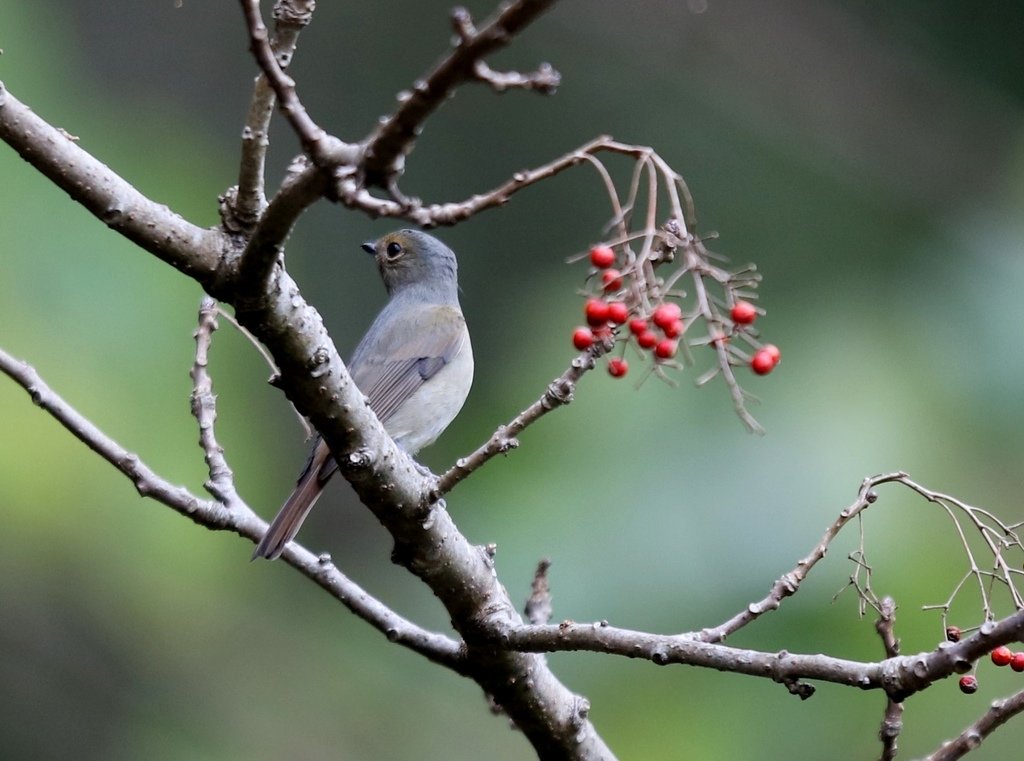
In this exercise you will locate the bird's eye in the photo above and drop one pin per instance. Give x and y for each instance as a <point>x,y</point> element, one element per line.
<point>393,250</point>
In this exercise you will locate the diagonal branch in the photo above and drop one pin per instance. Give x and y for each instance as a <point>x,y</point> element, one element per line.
<point>1000,713</point>
<point>394,138</point>
<point>558,393</point>
<point>387,480</point>
<point>190,249</point>
<point>899,676</point>
<point>325,150</point>
<point>238,518</point>
<point>788,584</point>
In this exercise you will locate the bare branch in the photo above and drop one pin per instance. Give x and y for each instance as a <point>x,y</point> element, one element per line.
<point>189,249</point>
<point>238,518</point>
<point>247,200</point>
<point>789,583</point>
<point>393,139</point>
<point>303,187</point>
<point>146,482</point>
<point>544,80</point>
<point>221,483</point>
<point>386,479</point>
<point>538,607</point>
<point>892,720</point>
<point>899,676</point>
<point>325,150</point>
<point>558,393</point>
<point>972,737</point>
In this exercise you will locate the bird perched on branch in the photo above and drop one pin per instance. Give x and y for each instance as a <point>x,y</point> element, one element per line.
<point>415,365</point>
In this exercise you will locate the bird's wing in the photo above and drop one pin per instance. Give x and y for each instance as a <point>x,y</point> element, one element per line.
<point>390,365</point>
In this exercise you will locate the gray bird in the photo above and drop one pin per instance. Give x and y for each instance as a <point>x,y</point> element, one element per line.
<point>415,365</point>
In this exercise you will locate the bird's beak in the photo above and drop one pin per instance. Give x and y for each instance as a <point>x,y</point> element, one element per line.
<point>368,247</point>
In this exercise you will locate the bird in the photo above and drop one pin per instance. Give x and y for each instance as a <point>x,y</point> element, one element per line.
<point>415,365</point>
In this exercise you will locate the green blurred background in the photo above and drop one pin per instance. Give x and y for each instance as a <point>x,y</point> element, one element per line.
<point>868,156</point>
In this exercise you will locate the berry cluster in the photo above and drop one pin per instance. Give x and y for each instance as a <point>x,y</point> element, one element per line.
<point>1001,656</point>
<point>656,329</point>
<point>1004,656</point>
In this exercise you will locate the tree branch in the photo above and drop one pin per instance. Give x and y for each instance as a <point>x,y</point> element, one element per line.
<point>195,251</point>
<point>325,150</point>
<point>221,483</point>
<point>393,139</point>
<point>972,737</point>
<point>237,517</point>
<point>247,201</point>
<point>788,584</point>
<point>386,479</point>
<point>558,393</point>
<point>899,677</point>
<point>892,719</point>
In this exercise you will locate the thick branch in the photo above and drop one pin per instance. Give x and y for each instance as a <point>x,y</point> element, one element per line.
<point>892,718</point>
<point>190,249</point>
<point>899,676</point>
<point>386,479</point>
<point>427,542</point>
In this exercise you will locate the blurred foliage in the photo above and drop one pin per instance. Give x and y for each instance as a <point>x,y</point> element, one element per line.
<point>868,156</point>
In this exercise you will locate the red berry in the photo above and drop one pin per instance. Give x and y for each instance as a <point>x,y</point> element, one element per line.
<point>596,312</point>
<point>602,257</point>
<point>1002,655</point>
<point>647,340</point>
<point>762,363</point>
<point>637,326</point>
<point>743,313</point>
<point>665,349</point>
<point>774,351</point>
<point>1017,662</point>
<point>618,312</point>
<point>674,329</point>
<point>611,280</point>
<point>666,314</point>
<point>968,684</point>
<point>602,332</point>
<point>582,338</point>
<point>617,367</point>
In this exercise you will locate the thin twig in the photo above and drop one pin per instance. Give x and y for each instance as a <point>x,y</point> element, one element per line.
<point>239,519</point>
<point>558,393</point>
<point>254,342</point>
<point>538,606</point>
<point>394,137</point>
<point>221,483</point>
<point>788,584</point>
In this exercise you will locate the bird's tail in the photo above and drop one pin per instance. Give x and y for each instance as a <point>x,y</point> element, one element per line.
<point>293,512</point>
